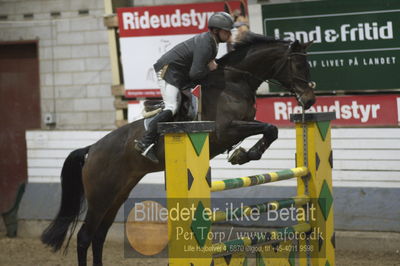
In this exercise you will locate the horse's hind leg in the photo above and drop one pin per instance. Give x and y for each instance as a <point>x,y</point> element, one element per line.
<point>101,233</point>
<point>109,217</point>
<point>99,202</point>
<point>270,134</point>
<point>86,233</point>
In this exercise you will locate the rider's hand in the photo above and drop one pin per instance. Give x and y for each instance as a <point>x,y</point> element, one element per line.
<point>212,65</point>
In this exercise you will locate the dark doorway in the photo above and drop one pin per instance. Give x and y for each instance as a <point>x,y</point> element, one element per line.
<point>19,111</point>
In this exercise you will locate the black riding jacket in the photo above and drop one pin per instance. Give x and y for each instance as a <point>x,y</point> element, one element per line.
<point>187,61</point>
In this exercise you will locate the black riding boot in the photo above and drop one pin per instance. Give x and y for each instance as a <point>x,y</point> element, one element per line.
<point>146,143</point>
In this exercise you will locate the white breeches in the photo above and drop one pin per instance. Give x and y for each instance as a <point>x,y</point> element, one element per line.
<point>171,96</point>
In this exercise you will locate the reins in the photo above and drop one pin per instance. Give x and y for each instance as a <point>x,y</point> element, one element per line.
<point>280,68</point>
<point>234,69</point>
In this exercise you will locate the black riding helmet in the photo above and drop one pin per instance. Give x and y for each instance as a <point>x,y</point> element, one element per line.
<point>221,20</point>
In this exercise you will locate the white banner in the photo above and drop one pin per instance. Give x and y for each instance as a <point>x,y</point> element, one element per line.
<point>146,33</point>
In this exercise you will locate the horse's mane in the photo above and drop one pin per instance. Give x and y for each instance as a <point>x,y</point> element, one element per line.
<point>245,41</point>
<point>249,38</point>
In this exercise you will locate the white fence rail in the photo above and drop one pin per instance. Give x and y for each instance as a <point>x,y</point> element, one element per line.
<point>362,156</point>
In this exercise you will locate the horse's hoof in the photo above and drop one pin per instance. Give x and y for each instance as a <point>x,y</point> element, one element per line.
<point>239,156</point>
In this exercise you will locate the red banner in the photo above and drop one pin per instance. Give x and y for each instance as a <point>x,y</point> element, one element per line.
<point>169,19</point>
<point>355,110</point>
<point>148,93</point>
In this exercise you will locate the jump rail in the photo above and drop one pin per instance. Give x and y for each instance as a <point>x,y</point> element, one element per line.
<point>297,201</point>
<point>189,187</point>
<point>255,180</point>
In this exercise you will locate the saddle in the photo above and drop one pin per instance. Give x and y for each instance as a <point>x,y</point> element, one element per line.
<point>188,110</point>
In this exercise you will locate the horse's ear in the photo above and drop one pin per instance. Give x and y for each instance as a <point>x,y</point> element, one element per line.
<point>227,8</point>
<point>243,8</point>
<point>307,44</point>
<point>295,46</point>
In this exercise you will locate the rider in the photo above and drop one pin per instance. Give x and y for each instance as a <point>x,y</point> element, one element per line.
<point>180,68</point>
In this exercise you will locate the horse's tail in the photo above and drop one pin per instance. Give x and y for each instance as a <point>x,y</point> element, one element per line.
<point>71,201</point>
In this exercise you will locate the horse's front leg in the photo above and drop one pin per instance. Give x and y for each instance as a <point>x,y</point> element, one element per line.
<point>270,134</point>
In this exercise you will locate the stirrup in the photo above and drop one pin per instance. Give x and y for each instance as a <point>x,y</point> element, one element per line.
<point>147,149</point>
<point>149,153</point>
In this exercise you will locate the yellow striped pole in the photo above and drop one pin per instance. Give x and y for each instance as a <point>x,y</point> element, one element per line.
<point>313,149</point>
<point>188,185</point>
<point>229,215</point>
<point>188,182</point>
<point>255,180</point>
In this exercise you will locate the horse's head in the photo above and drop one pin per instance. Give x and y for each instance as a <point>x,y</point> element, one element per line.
<point>262,57</point>
<point>293,72</point>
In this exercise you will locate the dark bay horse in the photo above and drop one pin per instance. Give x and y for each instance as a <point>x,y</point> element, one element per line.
<point>104,173</point>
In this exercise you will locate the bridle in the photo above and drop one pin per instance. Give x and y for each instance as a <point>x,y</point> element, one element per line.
<point>287,60</point>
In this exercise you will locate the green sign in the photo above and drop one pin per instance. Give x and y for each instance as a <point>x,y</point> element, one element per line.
<point>356,43</point>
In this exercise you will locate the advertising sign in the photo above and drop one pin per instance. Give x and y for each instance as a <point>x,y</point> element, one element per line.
<point>356,43</point>
<point>365,110</point>
<point>146,33</point>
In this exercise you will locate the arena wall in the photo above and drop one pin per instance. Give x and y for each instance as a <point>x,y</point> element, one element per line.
<point>366,175</point>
